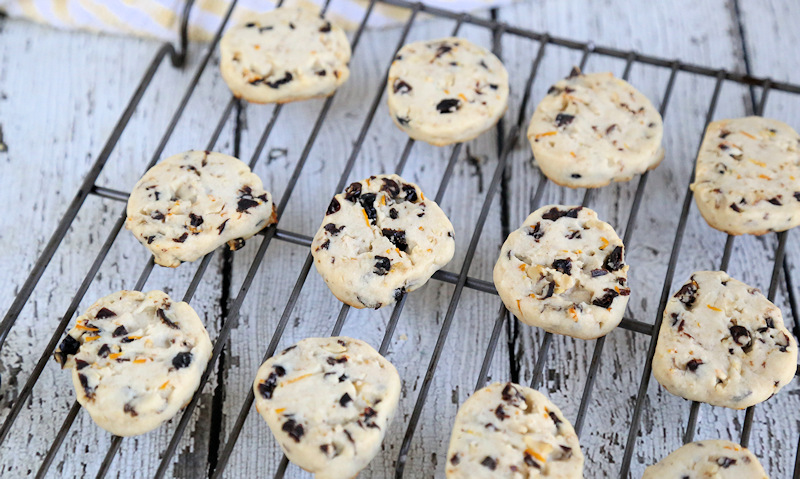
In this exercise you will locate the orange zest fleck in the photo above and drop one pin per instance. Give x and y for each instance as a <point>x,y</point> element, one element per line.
<point>765,177</point>
<point>540,135</point>
<point>383,200</point>
<point>523,266</point>
<point>605,242</point>
<point>280,410</point>
<point>133,338</point>
<point>461,95</point>
<point>366,218</point>
<point>421,196</point>
<point>298,378</point>
<point>91,338</point>
<point>114,355</point>
<point>86,328</point>
<point>756,162</point>
<point>163,385</point>
<point>712,308</point>
<point>519,307</point>
<point>574,314</point>
<point>748,135</point>
<point>140,360</point>
<point>573,154</point>
<point>535,454</point>
<point>421,228</point>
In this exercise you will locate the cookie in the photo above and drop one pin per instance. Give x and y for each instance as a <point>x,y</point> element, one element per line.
<point>446,91</point>
<point>509,431</point>
<point>136,360</point>
<point>723,343</point>
<point>592,129</point>
<point>192,203</point>
<point>747,179</point>
<point>286,54</point>
<point>379,239</point>
<point>715,459</point>
<point>328,402</point>
<point>564,271</point>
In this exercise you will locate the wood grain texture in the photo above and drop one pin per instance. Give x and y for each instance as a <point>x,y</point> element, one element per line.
<point>55,124</point>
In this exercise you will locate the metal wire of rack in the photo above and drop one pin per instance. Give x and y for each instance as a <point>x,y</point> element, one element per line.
<point>507,142</point>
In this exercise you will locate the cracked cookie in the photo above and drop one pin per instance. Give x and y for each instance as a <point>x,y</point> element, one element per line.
<point>286,54</point>
<point>446,91</point>
<point>379,239</point>
<point>723,343</point>
<point>136,359</point>
<point>564,271</point>
<point>328,402</point>
<point>191,203</point>
<point>747,179</point>
<point>509,431</point>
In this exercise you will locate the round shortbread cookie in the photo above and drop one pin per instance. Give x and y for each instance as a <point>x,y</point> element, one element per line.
<point>328,402</point>
<point>136,359</point>
<point>286,54</point>
<point>446,91</point>
<point>723,343</point>
<point>509,431</point>
<point>379,239</point>
<point>747,179</point>
<point>711,459</point>
<point>564,271</point>
<point>191,203</point>
<point>593,129</point>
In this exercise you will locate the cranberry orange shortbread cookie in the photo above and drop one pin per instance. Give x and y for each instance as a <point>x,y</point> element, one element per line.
<point>592,129</point>
<point>446,91</point>
<point>723,343</point>
<point>748,176</point>
<point>284,55</point>
<point>328,402</point>
<point>509,431</point>
<point>564,271</point>
<point>379,239</point>
<point>136,359</point>
<point>717,459</point>
<point>192,203</point>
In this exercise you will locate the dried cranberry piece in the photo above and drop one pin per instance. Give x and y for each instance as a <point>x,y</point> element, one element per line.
<point>553,214</point>
<point>282,81</point>
<point>563,119</point>
<point>536,232</point>
<point>267,387</point>
<point>563,265</point>
<point>411,193</point>
<point>293,429</point>
<point>694,364</point>
<point>489,462</point>
<point>448,105</point>
<point>401,87</point>
<point>368,203</point>
<point>686,294</point>
<point>163,316</point>
<point>605,300</point>
<point>333,207</point>
<point>390,186</point>
<point>332,229</point>
<point>69,346</point>
<point>182,360</point>
<point>397,237</point>
<point>741,336</point>
<point>105,313</point>
<point>614,261</point>
<point>382,265</point>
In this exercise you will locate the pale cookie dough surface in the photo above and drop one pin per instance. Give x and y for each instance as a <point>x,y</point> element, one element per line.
<point>191,203</point>
<point>446,91</point>
<point>509,431</point>
<point>723,343</point>
<point>136,359</point>
<point>747,179</point>
<point>328,402</point>
<point>712,459</point>
<point>284,55</point>
<point>379,239</point>
<point>593,129</point>
<point>564,271</point>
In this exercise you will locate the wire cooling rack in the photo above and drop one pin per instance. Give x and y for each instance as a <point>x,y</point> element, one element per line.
<point>461,279</point>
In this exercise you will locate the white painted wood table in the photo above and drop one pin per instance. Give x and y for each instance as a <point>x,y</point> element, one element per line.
<point>61,93</point>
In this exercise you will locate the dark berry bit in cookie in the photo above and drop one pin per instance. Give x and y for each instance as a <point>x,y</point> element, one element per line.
<point>104,351</point>
<point>401,87</point>
<point>455,460</point>
<point>165,320</point>
<point>444,48</point>
<point>563,265</point>
<point>598,272</point>
<point>536,232</point>
<point>605,300</point>
<point>277,83</point>
<point>345,400</point>
<point>244,204</point>
<point>267,387</point>
<point>367,201</point>
<point>325,28</point>
<point>332,229</point>
<point>725,462</point>
<point>489,462</point>
<point>694,364</point>
<point>352,192</point>
<point>613,261</point>
<point>448,105</point>
<point>553,214</point>
<point>403,120</point>
<point>741,336</point>
<point>686,294</point>
<point>554,417</point>
<point>391,187</point>
<point>120,331</point>
<point>382,265</point>
<point>397,237</point>
<point>293,429</point>
<point>89,391</point>
<point>181,238</point>
<point>182,360</point>
<point>69,346</point>
<point>333,207</point>
<point>563,119</point>
<point>157,215</point>
<point>411,193</point>
<point>105,313</point>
